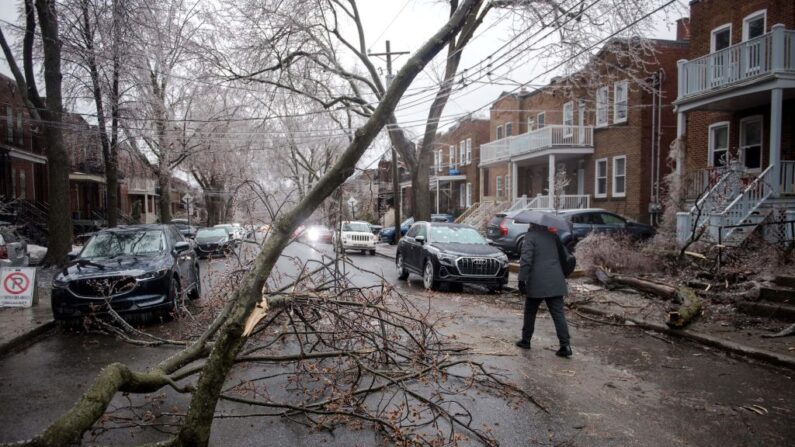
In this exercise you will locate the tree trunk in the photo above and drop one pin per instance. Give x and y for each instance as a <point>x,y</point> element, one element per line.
<point>164,182</point>
<point>59,220</point>
<point>195,430</point>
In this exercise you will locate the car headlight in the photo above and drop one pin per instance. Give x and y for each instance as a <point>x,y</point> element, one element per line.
<point>60,281</point>
<point>314,235</point>
<point>447,259</point>
<point>152,275</point>
<point>502,258</point>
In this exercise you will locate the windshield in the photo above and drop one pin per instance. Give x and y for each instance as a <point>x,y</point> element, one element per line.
<point>355,226</point>
<point>115,243</point>
<point>408,222</point>
<point>211,233</point>
<point>227,228</point>
<point>458,235</point>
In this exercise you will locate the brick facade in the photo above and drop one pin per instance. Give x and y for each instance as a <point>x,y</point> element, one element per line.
<point>471,129</point>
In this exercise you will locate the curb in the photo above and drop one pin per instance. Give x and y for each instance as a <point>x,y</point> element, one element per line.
<point>26,338</point>
<point>704,339</point>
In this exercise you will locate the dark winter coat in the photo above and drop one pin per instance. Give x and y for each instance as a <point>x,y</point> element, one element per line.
<point>539,266</point>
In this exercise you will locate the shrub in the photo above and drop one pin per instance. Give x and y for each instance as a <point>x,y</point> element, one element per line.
<point>616,253</point>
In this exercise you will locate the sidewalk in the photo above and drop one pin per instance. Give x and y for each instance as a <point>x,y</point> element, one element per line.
<point>19,325</point>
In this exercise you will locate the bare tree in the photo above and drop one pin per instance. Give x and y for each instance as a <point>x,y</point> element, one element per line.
<point>50,114</point>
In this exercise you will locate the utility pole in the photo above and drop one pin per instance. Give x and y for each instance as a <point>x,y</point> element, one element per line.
<point>396,197</point>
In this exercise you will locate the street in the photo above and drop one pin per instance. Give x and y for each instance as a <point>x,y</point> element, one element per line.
<point>622,387</point>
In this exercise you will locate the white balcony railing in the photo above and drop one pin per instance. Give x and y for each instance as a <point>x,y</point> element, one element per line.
<point>141,185</point>
<point>754,58</point>
<point>549,137</point>
<point>787,177</point>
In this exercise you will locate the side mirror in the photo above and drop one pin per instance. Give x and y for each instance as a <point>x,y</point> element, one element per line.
<point>420,239</point>
<point>74,254</point>
<point>181,246</point>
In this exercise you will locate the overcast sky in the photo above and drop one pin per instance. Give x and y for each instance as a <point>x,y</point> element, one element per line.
<point>407,24</point>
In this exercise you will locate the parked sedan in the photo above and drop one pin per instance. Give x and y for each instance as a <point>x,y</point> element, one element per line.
<point>213,241</point>
<point>232,231</point>
<point>185,229</point>
<point>585,221</point>
<point>452,254</point>
<point>387,234</point>
<point>508,235</point>
<point>135,269</point>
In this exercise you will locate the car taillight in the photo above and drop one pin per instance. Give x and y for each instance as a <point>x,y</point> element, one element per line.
<point>3,252</point>
<point>503,227</point>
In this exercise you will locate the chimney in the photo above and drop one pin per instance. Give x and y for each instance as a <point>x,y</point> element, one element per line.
<point>683,28</point>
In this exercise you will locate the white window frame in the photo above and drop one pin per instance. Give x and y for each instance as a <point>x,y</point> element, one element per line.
<point>568,119</point>
<point>462,152</point>
<point>469,195</point>
<point>507,185</point>
<point>469,150</point>
<point>617,193</point>
<point>452,156</point>
<point>717,30</point>
<point>461,195</point>
<point>541,120</point>
<point>602,106</point>
<point>531,124</point>
<point>596,178</point>
<point>508,130</point>
<point>752,16</point>
<point>499,133</point>
<point>742,147</point>
<point>617,102</point>
<point>711,142</point>
<point>498,186</point>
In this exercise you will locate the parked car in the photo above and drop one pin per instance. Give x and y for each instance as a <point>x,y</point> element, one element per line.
<point>134,269</point>
<point>185,229</point>
<point>387,234</point>
<point>355,235</point>
<point>13,247</point>
<point>507,235</point>
<point>214,241</point>
<point>442,218</point>
<point>241,232</point>
<point>450,253</point>
<point>317,233</point>
<point>376,229</point>
<point>236,236</point>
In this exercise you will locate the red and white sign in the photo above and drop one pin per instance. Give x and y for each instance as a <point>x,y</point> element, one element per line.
<point>17,286</point>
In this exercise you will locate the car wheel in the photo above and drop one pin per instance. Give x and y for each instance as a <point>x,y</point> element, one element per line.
<point>364,252</point>
<point>372,252</point>
<point>401,269</point>
<point>196,292</point>
<point>173,298</point>
<point>428,274</point>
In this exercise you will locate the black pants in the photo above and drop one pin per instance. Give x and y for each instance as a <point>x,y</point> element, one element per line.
<point>555,306</point>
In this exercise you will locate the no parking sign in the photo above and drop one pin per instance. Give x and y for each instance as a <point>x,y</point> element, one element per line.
<point>17,286</point>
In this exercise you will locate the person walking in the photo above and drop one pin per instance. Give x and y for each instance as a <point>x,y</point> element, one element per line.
<point>541,278</point>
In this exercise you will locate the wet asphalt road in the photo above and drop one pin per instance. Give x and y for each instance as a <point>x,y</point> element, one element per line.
<point>622,387</point>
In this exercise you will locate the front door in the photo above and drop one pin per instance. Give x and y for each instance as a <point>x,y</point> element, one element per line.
<point>751,143</point>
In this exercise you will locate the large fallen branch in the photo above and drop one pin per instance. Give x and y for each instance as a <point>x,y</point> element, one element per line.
<point>686,306</point>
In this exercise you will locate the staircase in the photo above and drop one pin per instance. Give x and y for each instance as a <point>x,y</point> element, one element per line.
<point>478,217</point>
<point>775,301</point>
<point>732,209</point>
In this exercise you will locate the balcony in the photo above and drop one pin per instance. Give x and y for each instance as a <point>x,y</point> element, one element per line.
<point>746,64</point>
<point>530,144</point>
<point>141,185</point>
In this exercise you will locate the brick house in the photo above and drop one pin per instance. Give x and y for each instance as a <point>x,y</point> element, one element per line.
<point>23,162</point>
<point>455,177</point>
<point>604,129</point>
<point>736,113</point>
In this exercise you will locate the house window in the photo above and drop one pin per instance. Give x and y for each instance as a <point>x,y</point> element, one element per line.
<point>531,124</point>
<point>620,102</point>
<point>581,119</point>
<point>508,129</point>
<point>601,107</point>
<point>23,185</point>
<point>462,152</point>
<point>541,120</point>
<point>9,124</point>
<point>568,119</point>
<point>499,132</point>
<point>469,150</point>
<point>721,38</point>
<point>462,195</point>
<point>498,183</point>
<point>469,195</point>
<point>719,144</point>
<point>19,130</point>
<point>600,178</point>
<point>437,162</point>
<point>620,176</point>
<point>751,142</point>
<point>452,157</point>
<point>508,191</point>
<point>754,25</point>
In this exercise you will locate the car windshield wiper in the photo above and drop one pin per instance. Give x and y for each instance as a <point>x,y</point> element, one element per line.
<point>82,262</point>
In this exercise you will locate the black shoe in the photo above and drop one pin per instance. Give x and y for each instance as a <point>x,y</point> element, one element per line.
<point>564,351</point>
<point>523,344</point>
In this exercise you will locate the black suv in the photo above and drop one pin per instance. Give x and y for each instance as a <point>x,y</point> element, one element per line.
<point>139,268</point>
<point>452,254</point>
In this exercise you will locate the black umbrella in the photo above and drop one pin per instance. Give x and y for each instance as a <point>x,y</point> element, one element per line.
<point>542,218</point>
